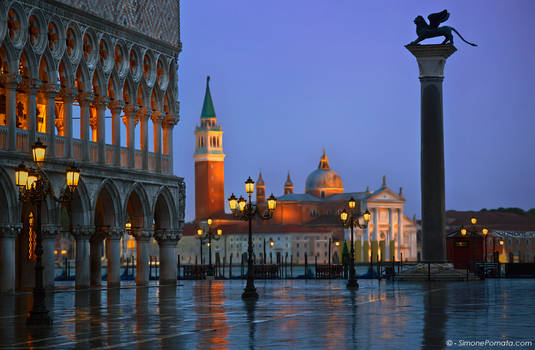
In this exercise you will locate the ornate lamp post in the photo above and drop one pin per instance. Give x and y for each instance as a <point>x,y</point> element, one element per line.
<point>246,210</point>
<point>205,234</point>
<point>351,219</point>
<point>472,230</point>
<point>34,187</point>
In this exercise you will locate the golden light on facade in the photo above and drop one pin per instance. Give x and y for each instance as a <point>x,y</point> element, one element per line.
<point>131,244</point>
<point>249,185</point>
<point>272,202</point>
<point>38,151</point>
<point>473,220</point>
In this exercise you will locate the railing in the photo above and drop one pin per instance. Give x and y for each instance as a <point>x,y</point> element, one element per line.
<point>110,152</point>
<point>77,149</point>
<point>23,145</point>
<point>165,163</point>
<point>22,140</point>
<point>124,157</point>
<point>60,146</point>
<point>93,151</point>
<point>152,161</point>
<point>3,137</point>
<point>138,158</point>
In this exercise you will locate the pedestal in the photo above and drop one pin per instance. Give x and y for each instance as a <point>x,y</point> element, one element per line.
<point>114,258</point>
<point>167,240</point>
<point>431,61</point>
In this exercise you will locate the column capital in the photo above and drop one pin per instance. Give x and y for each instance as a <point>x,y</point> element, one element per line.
<point>171,236</point>
<point>50,231</point>
<point>142,235</point>
<point>116,106</point>
<point>101,102</point>
<point>156,116</point>
<point>11,81</point>
<point>170,120</point>
<point>130,109</point>
<point>10,231</point>
<point>50,90</point>
<point>144,113</point>
<point>85,96</point>
<point>83,232</point>
<point>431,59</point>
<point>32,85</point>
<point>114,233</point>
<point>67,93</point>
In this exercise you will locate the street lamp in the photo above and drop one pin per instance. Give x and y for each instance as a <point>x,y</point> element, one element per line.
<point>246,210</point>
<point>34,187</point>
<point>472,230</point>
<point>205,234</point>
<point>351,219</point>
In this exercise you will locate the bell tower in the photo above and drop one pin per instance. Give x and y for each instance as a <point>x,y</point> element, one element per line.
<point>209,162</point>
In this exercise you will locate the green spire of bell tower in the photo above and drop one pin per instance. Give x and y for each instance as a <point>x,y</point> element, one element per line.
<point>208,110</point>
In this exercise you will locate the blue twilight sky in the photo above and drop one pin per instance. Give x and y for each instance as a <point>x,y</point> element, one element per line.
<point>292,77</point>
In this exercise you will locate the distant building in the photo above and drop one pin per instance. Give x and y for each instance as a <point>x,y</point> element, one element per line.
<point>511,237</point>
<point>301,219</point>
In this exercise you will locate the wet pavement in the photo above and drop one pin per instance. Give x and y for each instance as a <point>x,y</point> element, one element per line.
<point>290,314</point>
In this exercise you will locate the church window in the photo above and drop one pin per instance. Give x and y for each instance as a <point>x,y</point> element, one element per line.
<point>218,142</point>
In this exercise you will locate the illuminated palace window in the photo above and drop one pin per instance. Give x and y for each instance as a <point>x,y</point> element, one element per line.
<point>31,239</point>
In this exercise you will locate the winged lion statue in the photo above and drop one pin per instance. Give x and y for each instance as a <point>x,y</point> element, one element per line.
<point>431,30</point>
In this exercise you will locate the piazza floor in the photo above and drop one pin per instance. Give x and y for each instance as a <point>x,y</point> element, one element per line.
<point>290,314</point>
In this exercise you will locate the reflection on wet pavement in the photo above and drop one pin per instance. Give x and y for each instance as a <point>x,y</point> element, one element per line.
<point>291,314</point>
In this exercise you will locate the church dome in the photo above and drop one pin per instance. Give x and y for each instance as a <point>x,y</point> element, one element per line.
<point>323,182</point>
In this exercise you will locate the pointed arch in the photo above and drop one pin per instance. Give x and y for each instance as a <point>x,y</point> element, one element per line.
<point>99,83</point>
<point>8,197</point>
<point>129,91</point>
<point>163,209</point>
<point>47,68</point>
<point>28,61</point>
<point>81,79</point>
<point>107,205</point>
<point>136,206</point>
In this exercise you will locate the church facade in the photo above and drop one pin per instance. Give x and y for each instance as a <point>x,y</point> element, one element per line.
<point>302,222</point>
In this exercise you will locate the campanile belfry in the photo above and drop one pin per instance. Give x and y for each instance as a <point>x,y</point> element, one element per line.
<point>209,162</point>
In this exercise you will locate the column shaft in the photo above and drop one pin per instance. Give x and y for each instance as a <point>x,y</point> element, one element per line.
<point>114,260</point>
<point>96,262</point>
<point>85,132</point>
<point>11,81</point>
<point>7,262</point>
<point>390,234</point>
<point>400,227</point>
<point>32,87</point>
<point>142,260</point>
<point>116,107</point>
<point>50,91</point>
<point>375,235</point>
<point>157,139</point>
<point>167,262</point>
<point>48,260</point>
<point>144,115</point>
<point>82,279</point>
<point>100,104</point>
<point>67,122</point>
<point>130,116</point>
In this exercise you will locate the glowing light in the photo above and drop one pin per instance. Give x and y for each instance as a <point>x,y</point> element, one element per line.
<point>352,203</point>
<point>21,175</point>
<point>38,151</point>
<point>272,202</point>
<point>473,220</point>
<point>343,215</point>
<point>249,186</point>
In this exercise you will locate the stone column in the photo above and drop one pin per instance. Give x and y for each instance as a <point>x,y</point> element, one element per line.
<point>100,103</point>
<point>85,99</point>
<point>68,97</point>
<point>390,235</point>
<point>156,118</point>
<point>50,91</point>
<point>95,256</point>
<point>116,107</point>
<point>130,122</point>
<point>142,256</point>
<point>82,236</point>
<point>375,235</point>
<point>32,86</point>
<point>431,61</point>
<point>49,233</point>
<point>11,81</point>
<point>167,240</point>
<point>7,258</point>
<point>144,114</point>
<point>113,246</point>
<point>168,125</point>
<point>400,228</point>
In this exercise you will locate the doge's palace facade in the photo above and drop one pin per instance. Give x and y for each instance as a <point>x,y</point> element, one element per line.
<point>74,73</point>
